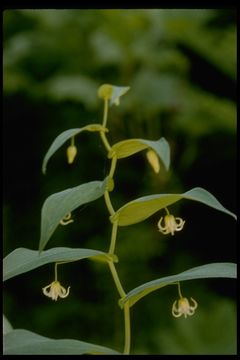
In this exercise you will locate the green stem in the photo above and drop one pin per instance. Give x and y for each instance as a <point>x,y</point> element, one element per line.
<point>113,238</point>
<point>167,211</point>
<point>122,294</point>
<point>114,235</point>
<point>105,113</point>
<point>108,203</point>
<point>72,141</point>
<point>179,290</point>
<point>104,123</point>
<point>116,279</point>
<point>105,141</point>
<point>55,271</point>
<point>126,350</point>
<point>113,166</point>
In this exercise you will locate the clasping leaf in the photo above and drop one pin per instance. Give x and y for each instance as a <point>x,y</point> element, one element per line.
<point>58,205</point>
<point>129,147</point>
<point>22,260</point>
<point>63,137</point>
<point>141,208</point>
<point>215,270</point>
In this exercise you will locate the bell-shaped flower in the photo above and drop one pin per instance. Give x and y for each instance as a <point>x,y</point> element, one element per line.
<point>171,224</point>
<point>55,290</point>
<point>182,307</point>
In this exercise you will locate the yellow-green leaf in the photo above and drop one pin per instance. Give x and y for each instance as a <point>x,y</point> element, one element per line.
<point>63,137</point>
<point>215,270</point>
<point>140,209</point>
<point>129,147</point>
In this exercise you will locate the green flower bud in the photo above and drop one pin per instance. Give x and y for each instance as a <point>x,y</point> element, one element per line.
<point>71,153</point>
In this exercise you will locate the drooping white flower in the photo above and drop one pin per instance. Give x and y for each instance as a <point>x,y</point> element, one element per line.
<point>171,224</point>
<point>182,307</point>
<point>55,290</point>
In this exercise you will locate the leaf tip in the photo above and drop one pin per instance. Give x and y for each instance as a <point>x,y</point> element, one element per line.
<point>44,168</point>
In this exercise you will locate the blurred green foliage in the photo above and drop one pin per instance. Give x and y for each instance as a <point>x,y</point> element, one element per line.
<point>181,66</point>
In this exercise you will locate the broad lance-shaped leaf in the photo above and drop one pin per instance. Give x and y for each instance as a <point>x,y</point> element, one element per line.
<point>215,270</point>
<point>58,205</point>
<point>63,137</point>
<point>129,147</point>
<point>24,342</point>
<point>22,260</point>
<point>140,209</point>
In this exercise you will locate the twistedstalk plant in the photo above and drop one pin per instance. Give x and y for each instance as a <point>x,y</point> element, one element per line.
<point>58,208</point>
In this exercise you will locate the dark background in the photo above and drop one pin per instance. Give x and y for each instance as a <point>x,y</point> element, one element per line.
<point>181,67</point>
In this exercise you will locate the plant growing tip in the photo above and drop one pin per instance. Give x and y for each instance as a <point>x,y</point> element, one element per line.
<point>112,93</point>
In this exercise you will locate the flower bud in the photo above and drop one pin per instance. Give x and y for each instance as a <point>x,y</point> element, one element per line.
<point>105,91</point>
<point>153,160</point>
<point>71,153</point>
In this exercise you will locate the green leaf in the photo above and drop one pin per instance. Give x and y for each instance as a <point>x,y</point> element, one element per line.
<point>117,92</point>
<point>7,327</point>
<point>72,87</point>
<point>63,137</point>
<point>58,205</point>
<point>24,342</point>
<point>129,147</point>
<point>140,209</point>
<point>215,270</point>
<point>22,260</point>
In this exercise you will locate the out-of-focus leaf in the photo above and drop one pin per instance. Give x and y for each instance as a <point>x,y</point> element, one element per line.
<point>153,92</point>
<point>60,204</point>
<point>107,51</point>
<point>73,87</point>
<point>209,112</point>
<point>63,137</point>
<point>24,342</point>
<point>215,270</point>
<point>22,260</point>
<point>189,28</point>
<point>140,209</point>
<point>129,147</point>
